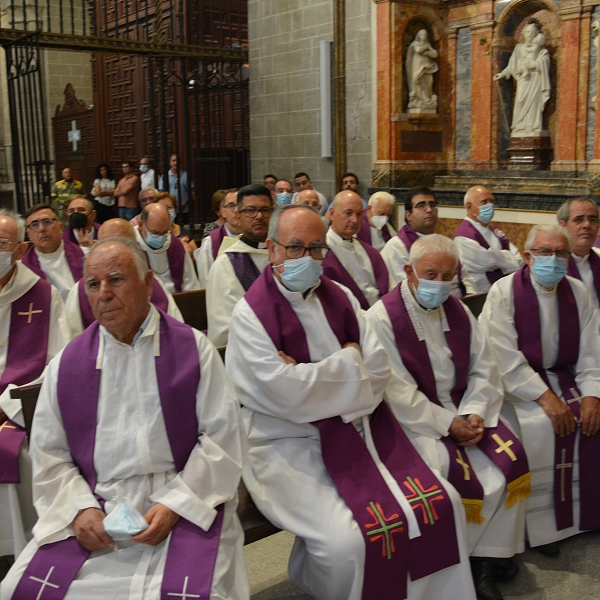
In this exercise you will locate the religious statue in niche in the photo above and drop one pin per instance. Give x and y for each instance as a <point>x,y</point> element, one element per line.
<point>529,65</point>
<point>420,68</point>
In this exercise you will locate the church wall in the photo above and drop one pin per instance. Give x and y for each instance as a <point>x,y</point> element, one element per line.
<point>285,120</point>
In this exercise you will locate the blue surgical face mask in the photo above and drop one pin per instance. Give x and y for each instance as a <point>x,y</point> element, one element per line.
<point>486,213</point>
<point>284,198</point>
<point>143,168</point>
<point>549,270</point>
<point>172,214</point>
<point>300,274</point>
<point>431,294</point>
<point>156,241</point>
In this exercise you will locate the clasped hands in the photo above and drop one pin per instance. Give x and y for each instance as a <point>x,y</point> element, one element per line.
<point>564,420</point>
<point>467,432</point>
<point>91,535</point>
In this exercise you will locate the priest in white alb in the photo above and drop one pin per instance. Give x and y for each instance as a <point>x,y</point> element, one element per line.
<point>543,330</point>
<point>327,460</point>
<point>379,210</point>
<point>236,269</point>
<point>58,261</point>
<point>446,393</point>
<point>33,329</point>
<point>135,471</point>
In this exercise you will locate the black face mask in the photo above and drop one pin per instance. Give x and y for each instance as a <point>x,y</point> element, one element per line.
<point>78,220</point>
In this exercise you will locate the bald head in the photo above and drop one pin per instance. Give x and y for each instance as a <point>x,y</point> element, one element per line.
<point>116,228</point>
<point>476,193</point>
<point>309,197</point>
<point>346,214</point>
<point>155,218</point>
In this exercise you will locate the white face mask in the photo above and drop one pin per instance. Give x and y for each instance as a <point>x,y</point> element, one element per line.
<point>379,221</point>
<point>6,263</point>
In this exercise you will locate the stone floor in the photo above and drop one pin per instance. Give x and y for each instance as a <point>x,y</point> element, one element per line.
<point>574,575</point>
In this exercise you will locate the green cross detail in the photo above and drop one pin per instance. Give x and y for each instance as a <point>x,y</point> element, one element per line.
<point>385,529</point>
<point>422,497</point>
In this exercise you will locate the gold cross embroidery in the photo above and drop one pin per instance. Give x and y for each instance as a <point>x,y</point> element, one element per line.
<point>464,465</point>
<point>30,313</point>
<point>5,425</point>
<point>504,446</point>
<point>562,466</point>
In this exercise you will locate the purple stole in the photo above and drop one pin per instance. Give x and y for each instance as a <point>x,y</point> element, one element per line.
<point>73,253</point>
<point>25,361</point>
<point>333,268</point>
<point>597,242</point>
<point>409,236</point>
<point>158,298</point>
<point>364,233</point>
<point>499,444</point>
<point>192,552</point>
<point>385,232</point>
<point>217,236</point>
<point>69,234</point>
<point>389,553</point>
<point>594,261</point>
<point>245,269</point>
<point>527,324</point>
<point>466,229</point>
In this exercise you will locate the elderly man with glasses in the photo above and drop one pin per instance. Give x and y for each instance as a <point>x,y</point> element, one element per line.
<point>236,269</point>
<point>50,257</point>
<point>206,255</point>
<point>543,330</point>
<point>33,329</point>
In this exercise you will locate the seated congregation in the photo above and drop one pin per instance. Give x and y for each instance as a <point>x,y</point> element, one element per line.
<point>411,446</point>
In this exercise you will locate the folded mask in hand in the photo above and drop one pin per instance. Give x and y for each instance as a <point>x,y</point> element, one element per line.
<point>124,521</point>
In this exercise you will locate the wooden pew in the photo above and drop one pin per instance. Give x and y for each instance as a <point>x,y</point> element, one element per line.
<point>255,525</point>
<point>475,302</point>
<point>193,308</point>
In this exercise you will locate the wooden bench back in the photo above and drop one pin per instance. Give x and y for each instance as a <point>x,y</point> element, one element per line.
<point>193,308</point>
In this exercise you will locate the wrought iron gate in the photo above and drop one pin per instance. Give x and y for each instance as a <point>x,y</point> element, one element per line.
<point>193,56</point>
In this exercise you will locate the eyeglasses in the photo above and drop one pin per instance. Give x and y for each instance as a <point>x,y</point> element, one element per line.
<point>316,252</point>
<point>425,205</point>
<point>581,219</point>
<point>45,223</point>
<point>230,206</point>
<point>5,244</point>
<point>547,252</point>
<point>252,211</point>
<point>79,209</point>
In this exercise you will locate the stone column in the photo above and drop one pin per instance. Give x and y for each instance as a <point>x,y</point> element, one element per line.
<point>567,92</point>
<point>451,62</point>
<point>481,96</point>
<point>595,162</point>
<point>583,89</point>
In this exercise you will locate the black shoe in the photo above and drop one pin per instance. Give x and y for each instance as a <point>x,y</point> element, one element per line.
<point>505,570</point>
<point>483,576</point>
<point>551,550</point>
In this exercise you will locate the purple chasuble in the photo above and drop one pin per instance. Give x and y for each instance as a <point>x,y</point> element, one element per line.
<point>69,235</point>
<point>192,552</point>
<point>25,361</point>
<point>594,261</point>
<point>528,326</point>
<point>409,236</point>
<point>364,233</point>
<point>389,553</point>
<point>467,229</point>
<point>597,242</point>
<point>73,253</point>
<point>244,267</point>
<point>333,268</point>
<point>158,298</point>
<point>216,237</point>
<point>499,444</point>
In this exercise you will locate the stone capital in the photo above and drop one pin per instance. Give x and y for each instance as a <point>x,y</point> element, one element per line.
<point>569,13</point>
<point>479,28</point>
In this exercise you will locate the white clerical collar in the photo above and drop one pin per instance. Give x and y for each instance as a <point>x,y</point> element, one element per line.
<point>50,255</point>
<point>478,225</point>
<point>416,311</point>
<point>230,233</point>
<point>21,281</point>
<point>290,296</point>
<point>581,259</point>
<point>542,289</point>
<point>338,239</point>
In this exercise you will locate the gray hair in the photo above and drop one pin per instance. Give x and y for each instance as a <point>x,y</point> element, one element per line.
<point>139,257</point>
<point>384,197</point>
<point>429,244</point>
<point>274,221</point>
<point>18,219</point>
<point>469,193</point>
<point>562,214</point>
<point>148,189</point>
<point>89,203</point>
<point>551,229</point>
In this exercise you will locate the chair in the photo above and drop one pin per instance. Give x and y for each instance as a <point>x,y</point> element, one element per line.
<point>193,308</point>
<point>475,303</point>
<point>28,395</point>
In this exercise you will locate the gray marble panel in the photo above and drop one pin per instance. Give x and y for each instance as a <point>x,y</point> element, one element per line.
<point>463,94</point>
<point>593,84</point>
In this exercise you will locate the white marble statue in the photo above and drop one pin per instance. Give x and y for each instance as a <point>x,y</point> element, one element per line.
<point>530,66</point>
<point>420,68</point>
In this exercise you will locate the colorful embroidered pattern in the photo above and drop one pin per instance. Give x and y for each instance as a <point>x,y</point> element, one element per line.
<point>418,497</point>
<point>384,529</point>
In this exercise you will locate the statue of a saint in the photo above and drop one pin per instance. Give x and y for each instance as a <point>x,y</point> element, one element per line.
<point>529,64</point>
<point>420,68</point>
